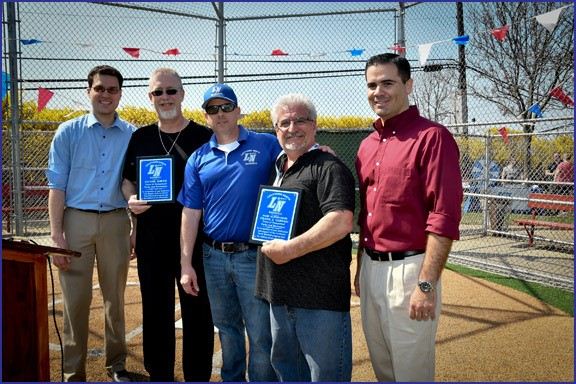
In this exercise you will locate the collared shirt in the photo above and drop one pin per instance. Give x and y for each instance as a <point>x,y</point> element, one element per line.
<point>279,164</point>
<point>85,161</point>
<point>319,279</point>
<point>410,183</point>
<point>225,185</point>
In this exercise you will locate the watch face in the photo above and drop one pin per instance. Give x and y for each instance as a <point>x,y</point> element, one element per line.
<point>425,286</point>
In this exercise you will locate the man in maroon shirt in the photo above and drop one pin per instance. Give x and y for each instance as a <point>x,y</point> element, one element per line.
<point>410,209</point>
<point>564,173</point>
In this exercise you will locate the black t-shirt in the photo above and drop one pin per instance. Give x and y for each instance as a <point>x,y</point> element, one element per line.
<point>320,279</point>
<point>145,141</point>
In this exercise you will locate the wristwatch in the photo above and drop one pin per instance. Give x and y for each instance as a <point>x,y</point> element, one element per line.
<point>425,286</point>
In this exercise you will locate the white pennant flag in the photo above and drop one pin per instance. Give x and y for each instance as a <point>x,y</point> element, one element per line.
<point>424,52</point>
<point>549,19</point>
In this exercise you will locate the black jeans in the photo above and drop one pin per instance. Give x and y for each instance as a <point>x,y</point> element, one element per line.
<point>158,270</point>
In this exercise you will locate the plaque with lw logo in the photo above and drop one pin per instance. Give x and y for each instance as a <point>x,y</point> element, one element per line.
<point>275,215</point>
<point>156,179</point>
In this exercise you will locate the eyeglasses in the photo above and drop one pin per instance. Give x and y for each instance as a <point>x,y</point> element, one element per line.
<point>213,109</point>
<point>160,92</point>
<point>298,122</point>
<point>110,90</point>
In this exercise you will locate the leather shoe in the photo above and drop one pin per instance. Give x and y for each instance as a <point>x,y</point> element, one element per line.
<point>120,376</point>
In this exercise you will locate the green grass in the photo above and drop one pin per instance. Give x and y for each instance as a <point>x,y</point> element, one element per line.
<point>556,297</point>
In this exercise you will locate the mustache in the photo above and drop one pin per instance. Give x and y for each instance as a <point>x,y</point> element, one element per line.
<point>291,135</point>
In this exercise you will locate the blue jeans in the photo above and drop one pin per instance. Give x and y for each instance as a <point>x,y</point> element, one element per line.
<point>230,279</point>
<point>311,344</point>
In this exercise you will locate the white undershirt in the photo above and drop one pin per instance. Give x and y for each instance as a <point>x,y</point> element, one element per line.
<point>227,148</point>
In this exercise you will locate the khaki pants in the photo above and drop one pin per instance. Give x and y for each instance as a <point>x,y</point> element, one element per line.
<point>400,349</point>
<point>104,238</point>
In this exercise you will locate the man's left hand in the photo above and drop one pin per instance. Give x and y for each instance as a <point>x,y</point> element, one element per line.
<point>277,251</point>
<point>422,305</point>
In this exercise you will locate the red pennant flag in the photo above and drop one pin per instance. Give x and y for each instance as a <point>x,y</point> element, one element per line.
<point>134,52</point>
<point>500,33</point>
<point>559,94</point>
<point>173,52</point>
<point>44,96</point>
<point>504,134</point>
<point>398,48</point>
<point>279,52</point>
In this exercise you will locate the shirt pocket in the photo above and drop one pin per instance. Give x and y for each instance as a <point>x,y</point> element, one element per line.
<point>397,185</point>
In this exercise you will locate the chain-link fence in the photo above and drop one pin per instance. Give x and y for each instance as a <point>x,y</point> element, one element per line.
<point>518,209</point>
<point>265,50</point>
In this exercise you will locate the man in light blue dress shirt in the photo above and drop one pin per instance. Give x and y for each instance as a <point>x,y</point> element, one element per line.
<point>88,214</point>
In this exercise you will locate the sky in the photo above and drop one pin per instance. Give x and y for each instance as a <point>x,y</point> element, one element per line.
<point>85,35</point>
<point>78,36</point>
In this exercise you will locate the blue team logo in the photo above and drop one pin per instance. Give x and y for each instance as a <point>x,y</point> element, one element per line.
<point>250,157</point>
<point>276,203</point>
<point>216,90</point>
<point>155,169</point>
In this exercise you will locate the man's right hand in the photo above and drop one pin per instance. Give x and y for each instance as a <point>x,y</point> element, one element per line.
<point>189,281</point>
<point>137,206</point>
<point>62,262</point>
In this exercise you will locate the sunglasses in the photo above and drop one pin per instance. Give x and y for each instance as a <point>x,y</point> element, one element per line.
<point>160,92</point>
<point>110,90</point>
<point>213,109</point>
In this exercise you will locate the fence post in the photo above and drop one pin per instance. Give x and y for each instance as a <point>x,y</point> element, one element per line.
<point>486,183</point>
<point>13,53</point>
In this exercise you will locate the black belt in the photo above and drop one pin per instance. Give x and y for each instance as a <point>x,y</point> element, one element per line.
<point>99,212</point>
<point>390,256</point>
<point>228,246</point>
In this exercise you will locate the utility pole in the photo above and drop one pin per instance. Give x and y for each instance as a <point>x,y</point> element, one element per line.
<point>401,32</point>
<point>462,91</point>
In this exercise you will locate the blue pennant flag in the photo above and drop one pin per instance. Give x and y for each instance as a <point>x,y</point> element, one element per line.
<point>356,52</point>
<point>5,84</point>
<point>535,109</point>
<point>30,41</point>
<point>461,40</point>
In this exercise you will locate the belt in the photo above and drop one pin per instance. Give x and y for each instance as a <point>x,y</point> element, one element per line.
<point>228,246</point>
<point>390,256</point>
<point>99,212</point>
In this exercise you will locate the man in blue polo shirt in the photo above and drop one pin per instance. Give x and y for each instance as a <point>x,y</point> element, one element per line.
<point>221,184</point>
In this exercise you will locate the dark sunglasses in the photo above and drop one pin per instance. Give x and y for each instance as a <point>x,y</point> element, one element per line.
<point>160,92</point>
<point>110,90</point>
<point>213,109</point>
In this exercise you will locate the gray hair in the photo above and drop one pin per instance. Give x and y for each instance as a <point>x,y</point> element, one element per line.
<point>291,100</point>
<point>166,71</point>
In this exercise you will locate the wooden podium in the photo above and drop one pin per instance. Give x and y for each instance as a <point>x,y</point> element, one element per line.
<point>25,355</point>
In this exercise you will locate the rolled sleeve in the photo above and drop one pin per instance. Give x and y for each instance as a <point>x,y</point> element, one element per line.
<point>443,225</point>
<point>59,159</point>
<point>443,184</point>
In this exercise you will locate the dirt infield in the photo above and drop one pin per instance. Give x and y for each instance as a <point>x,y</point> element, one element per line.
<point>487,332</point>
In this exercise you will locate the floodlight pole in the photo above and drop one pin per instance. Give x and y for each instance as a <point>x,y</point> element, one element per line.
<point>221,26</point>
<point>15,116</point>
<point>462,89</point>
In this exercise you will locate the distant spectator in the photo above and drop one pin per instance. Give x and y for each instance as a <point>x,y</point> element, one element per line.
<point>511,171</point>
<point>565,174</point>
